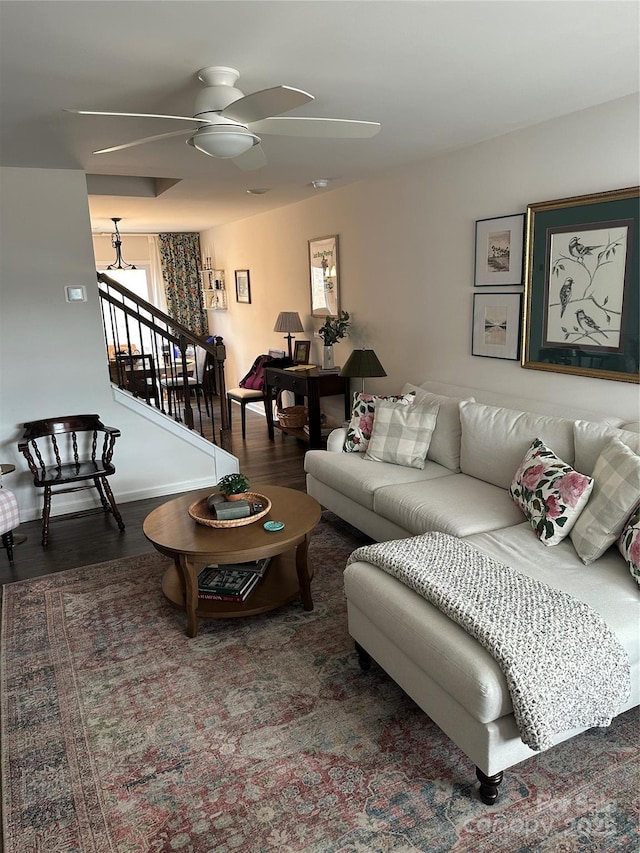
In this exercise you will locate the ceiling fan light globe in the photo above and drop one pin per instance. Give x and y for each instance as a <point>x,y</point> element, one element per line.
<point>223,142</point>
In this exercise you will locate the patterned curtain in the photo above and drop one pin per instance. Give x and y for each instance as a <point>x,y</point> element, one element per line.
<point>180,257</point>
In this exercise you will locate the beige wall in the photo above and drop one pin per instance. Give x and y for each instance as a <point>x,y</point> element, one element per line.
<point>407,255</point>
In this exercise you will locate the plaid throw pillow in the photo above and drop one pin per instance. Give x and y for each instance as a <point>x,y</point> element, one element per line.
<point>616,492</point>
<point>402,434</point>
<point>9,512</point>
<point>362,417</point>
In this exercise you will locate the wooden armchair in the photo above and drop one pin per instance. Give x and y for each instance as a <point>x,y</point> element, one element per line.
<point>64,453</point>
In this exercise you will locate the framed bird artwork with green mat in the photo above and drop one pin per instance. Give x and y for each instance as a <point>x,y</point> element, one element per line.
<point>582,288</point>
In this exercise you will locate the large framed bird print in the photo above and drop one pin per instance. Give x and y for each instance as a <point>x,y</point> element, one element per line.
<point>582,288</point>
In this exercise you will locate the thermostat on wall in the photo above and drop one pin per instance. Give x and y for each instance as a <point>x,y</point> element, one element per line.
<point>75,293</point>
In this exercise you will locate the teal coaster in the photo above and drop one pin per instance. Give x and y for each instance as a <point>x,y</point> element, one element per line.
<point>273,526</point>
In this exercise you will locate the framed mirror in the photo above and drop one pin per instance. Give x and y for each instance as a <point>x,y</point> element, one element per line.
<point>324,277</point>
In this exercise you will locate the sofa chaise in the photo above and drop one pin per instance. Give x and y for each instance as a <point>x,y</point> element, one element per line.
<point>465,490</point>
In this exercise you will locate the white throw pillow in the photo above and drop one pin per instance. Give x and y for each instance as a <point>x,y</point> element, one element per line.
<point>401,434</point>
<point>616,492</point>
<point>445,441</point>
<point>549,492</point>
<point>590,438</point>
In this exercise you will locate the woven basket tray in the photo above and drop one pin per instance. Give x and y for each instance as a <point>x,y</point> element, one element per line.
<point>293,416</point>
<point>200,512</point>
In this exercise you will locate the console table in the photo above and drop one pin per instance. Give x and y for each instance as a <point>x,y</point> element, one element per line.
<point>311,384</point>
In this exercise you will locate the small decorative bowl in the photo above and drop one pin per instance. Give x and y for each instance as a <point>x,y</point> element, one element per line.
<point>202,514</point>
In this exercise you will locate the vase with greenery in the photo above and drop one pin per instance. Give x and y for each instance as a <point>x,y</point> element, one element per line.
<point>233,486</point>
<point>332,330</point>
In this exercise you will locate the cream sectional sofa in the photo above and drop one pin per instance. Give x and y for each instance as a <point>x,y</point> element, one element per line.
<point>478,443</point>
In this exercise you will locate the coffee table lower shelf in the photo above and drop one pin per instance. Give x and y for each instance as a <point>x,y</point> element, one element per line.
<point>278,587</point>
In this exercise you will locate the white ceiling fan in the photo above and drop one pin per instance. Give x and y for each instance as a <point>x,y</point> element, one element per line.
<point>227,120</point>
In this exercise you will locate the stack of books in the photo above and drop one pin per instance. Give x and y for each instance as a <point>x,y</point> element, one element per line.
<point>231,581</point>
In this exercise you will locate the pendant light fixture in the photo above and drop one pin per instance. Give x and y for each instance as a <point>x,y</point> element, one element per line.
<point>116,242</point>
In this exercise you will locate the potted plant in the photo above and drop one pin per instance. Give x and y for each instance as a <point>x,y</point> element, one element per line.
<point>332,330</point>
<point>233,486</point>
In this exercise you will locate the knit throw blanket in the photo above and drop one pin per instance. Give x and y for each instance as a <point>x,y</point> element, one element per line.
<point>563,666</point>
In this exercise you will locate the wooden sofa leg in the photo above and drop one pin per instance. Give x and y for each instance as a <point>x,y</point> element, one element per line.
<point>489,786</point>
<point>364,658</point>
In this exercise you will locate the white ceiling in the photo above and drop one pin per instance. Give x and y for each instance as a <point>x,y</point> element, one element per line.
<point>437,75</point>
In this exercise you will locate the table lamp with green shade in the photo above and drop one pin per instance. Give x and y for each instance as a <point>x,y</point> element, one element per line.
<point>363,363</point>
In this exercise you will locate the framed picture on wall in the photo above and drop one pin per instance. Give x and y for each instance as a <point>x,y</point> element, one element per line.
<point>499,251</point>
<point>324,277</point>
<point>496,325</point>
<point>243,287</point>
<point>582,285</point>
<point>301,352</point>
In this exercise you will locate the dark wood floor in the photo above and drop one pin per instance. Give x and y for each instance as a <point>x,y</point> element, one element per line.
<point>94,538</point>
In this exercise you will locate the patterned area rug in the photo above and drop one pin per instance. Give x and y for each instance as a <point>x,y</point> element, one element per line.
<point>261,734</point>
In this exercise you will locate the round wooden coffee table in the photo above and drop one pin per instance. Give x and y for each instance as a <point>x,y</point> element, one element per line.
<point>193,546</point>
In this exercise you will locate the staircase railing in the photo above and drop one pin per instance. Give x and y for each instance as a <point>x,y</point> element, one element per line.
<point>161,362</point>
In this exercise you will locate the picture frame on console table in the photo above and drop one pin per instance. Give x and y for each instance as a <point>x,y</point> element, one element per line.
<point>582,286</point>
<point>496,325</point>
<point>301,352</point>
<point>499,251</point>
<point>324,276</point>
<point>243,286</point>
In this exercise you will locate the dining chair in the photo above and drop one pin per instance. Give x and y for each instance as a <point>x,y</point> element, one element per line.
<point>137,374</point>
<point>197,381</point>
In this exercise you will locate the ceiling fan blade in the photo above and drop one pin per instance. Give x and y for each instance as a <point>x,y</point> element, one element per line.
<point>320,128</point>
<point>267,102</point>
<point>251,160</point>
<point>141,141</point>
<point>140,115</point>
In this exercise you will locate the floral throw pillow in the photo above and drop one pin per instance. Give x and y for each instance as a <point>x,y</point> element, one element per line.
<point>362,415</point>
<point>629,544</point>
<point>549,492</point>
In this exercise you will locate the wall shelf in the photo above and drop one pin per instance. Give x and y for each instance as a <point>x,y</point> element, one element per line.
<point>214,294</point>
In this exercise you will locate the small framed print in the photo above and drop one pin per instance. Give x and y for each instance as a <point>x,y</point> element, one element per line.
<point>499,251</point>
<point>243,286</point>
<point>496,325</point>
<point>301,352</point>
